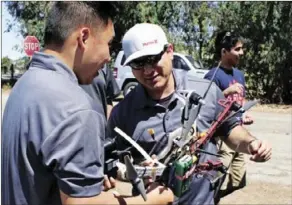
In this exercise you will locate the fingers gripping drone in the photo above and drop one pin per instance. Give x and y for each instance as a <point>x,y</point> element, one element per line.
<point>183,148</point>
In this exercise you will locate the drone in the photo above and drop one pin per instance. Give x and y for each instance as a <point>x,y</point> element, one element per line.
<point>182,150</point>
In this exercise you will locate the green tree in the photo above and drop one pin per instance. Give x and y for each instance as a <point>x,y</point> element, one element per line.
<point>5,64</point>
<point>267,28</point>
<point>31,16</point>
<point>191,27</point>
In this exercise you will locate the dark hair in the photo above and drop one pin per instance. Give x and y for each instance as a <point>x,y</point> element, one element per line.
<point>227,40</point>
<point>65,16</point>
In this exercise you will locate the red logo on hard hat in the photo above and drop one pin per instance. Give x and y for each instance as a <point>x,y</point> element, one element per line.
<point>150,42</point>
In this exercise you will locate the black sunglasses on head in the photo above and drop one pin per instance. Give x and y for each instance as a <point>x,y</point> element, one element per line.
<point>144,61</point>
<point>226,37</point>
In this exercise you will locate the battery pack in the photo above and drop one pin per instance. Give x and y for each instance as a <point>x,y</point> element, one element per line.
<point>181,167</point>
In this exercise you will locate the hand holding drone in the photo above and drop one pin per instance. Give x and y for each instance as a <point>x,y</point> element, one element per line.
<point>182,150</point>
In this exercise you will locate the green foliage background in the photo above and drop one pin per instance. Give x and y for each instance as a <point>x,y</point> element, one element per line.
<point>190,26</point>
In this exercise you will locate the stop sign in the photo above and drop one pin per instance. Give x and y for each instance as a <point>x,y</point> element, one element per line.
<point>31,44</point>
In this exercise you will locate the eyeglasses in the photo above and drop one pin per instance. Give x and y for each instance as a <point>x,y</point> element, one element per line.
<point>225,37</point>
<point>147,61</point>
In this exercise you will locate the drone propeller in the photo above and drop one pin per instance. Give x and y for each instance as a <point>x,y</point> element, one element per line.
<point>134,178</point>
<point>243,109</point>
<point>197,100</point>
<point>249,105</point>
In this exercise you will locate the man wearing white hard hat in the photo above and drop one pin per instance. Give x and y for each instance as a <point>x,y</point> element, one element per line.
<point>155,104</point>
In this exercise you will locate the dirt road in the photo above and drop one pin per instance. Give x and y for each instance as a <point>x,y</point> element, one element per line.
<point>270,182</point>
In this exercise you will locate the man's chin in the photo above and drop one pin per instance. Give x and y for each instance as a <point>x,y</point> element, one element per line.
<point>155,87</point>
<point>86,81</point>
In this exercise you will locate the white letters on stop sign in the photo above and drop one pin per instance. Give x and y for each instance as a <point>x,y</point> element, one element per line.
<point>31,46</point>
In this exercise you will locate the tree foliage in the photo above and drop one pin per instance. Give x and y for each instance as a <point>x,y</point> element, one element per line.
<point>5,64</point>
<point>267,28</point>
<point>191,26</point>
<point>31,16</point>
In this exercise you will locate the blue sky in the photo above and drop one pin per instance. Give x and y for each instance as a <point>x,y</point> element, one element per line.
<point>9,40</point>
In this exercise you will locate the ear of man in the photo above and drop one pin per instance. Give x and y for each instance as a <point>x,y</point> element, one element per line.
<point>170,48</point>
<point>223,51</point>
<point>83,37</point>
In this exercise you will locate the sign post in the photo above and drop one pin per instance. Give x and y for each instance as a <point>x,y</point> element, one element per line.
<point>31,44</point>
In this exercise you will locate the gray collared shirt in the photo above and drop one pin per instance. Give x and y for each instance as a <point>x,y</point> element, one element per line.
<point>52,137</point>
<point>138,112</point>
<point>104,88</point>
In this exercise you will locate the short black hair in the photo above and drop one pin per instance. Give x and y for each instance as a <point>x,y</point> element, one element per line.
<point>227,40</point>
<point>65,16</point>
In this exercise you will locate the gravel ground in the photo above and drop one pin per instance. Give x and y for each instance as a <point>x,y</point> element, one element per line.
<point>270,182</point>
<point>274,108</point>
<point>267,183</point>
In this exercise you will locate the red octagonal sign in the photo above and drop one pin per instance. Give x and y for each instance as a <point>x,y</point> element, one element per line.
<point>31,44</point>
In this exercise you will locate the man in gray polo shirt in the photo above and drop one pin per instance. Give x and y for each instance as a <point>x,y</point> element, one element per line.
<point>53,132</point>
<point>155,104</point>
<point>104,89</point>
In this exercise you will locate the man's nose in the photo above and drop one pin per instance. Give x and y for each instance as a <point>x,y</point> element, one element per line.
<point>108,59</point>
<point>148,69</point>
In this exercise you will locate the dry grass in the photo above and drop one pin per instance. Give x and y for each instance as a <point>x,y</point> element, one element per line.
<point>273,108</point>
<point>6,89</point>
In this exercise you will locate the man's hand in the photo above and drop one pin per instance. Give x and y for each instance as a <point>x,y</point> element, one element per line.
<point>146,163</point>
<point>156,194</point>
<point>261,151</point>
<point>247,119</point>
<point>108,183</point>
<point>234,88</point>
<point>156,191</point>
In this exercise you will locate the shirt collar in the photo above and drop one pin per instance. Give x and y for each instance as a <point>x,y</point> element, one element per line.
<point>45,61</point>
<point>227,71</point>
